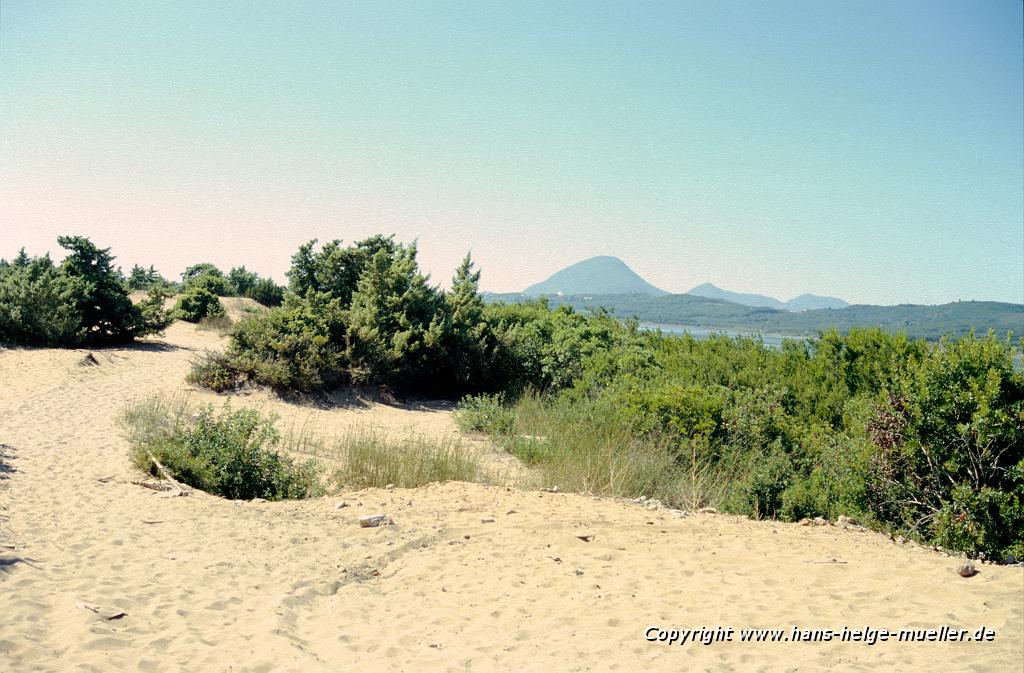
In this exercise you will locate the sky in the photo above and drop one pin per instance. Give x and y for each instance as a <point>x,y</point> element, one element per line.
<point>871,150</point>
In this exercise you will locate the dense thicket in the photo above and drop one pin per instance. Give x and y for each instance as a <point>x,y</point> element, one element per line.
<point>364,314</point>
<point>922,439</point>
<point>83,301</point>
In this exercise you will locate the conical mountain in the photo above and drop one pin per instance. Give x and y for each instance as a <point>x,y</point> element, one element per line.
<point>597,275</point>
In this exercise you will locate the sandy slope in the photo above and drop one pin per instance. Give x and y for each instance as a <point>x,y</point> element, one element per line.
<point>213,585</point>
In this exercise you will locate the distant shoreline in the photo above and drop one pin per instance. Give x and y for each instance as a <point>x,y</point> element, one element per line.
<point>771,340</point>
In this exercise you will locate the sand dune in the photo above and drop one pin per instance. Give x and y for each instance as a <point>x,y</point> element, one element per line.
<point>470,577</point>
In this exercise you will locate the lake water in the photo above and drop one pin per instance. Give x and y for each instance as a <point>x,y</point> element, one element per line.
<point>770,340</point>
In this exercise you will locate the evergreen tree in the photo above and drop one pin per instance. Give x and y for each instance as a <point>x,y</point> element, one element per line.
<point>107,313</point>
<point>335,270</point>
<point>38,304</point>
<point>394,322</point>
<point>467,334</point>
<point>241,281</point>
<point>141,278</point>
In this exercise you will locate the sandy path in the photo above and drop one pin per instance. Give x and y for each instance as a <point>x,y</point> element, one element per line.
<point>214,585</point>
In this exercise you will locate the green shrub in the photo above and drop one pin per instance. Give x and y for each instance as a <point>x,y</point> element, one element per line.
<point>949,445</point>
<point>290,348</point>
<point>758,492</point>
<point>214,284</point>
<point>206,276</point>
<point>266,292</point>
<point>396,323</point>
<point>835,486</point>
<point>240,281</point>
<point>84,301</point>
<point>38,305</point>
<point>215,372</point>
<point>484,413</point>
<point>233,453</point>
<point>197,303</point>
<point>673,409</point>
<point>986,523</point>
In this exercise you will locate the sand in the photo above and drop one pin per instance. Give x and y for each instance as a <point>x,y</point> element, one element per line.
<point>470,577</point>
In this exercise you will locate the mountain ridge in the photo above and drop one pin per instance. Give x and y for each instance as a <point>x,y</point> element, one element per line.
<point>803,302</point>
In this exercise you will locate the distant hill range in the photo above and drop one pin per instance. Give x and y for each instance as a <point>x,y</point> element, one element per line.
<point>805,302</point>
<point>597,275</point>
<point>607,282</point>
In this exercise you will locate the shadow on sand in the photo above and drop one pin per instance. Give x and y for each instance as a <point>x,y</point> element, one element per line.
<point>6,456</point>
<point>147,347</point>
<point>364,398</point>
<point>9,563</point>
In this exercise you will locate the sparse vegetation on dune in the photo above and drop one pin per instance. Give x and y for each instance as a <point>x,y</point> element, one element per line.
<point>238,282</point>
<point>221,324</point>
<point>235,453</point>
<point>910,436</point>
<point>925,439</point>
<point>240,454</point>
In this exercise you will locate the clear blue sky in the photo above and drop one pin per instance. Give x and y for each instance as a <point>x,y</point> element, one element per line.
<point>872,150</point>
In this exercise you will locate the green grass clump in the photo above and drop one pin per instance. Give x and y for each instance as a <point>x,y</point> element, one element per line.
<point>234,453</point>
<point>221,324</point>
<point>583,449</point>
<point>370,459</point>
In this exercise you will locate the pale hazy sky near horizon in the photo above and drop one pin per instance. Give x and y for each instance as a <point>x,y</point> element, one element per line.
<point>868,150</point>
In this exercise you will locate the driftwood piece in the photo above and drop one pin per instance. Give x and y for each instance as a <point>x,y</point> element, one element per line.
<point>81,605</point>
<point>166,474</point>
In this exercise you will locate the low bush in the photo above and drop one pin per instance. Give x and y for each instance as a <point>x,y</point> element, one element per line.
<point>484,413</point>
<point>289,348</point>
<point>197,303</point>
<point>215,372</point>
<point>266,292</point>
<point>233,453</point>
<point>38,305</point>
